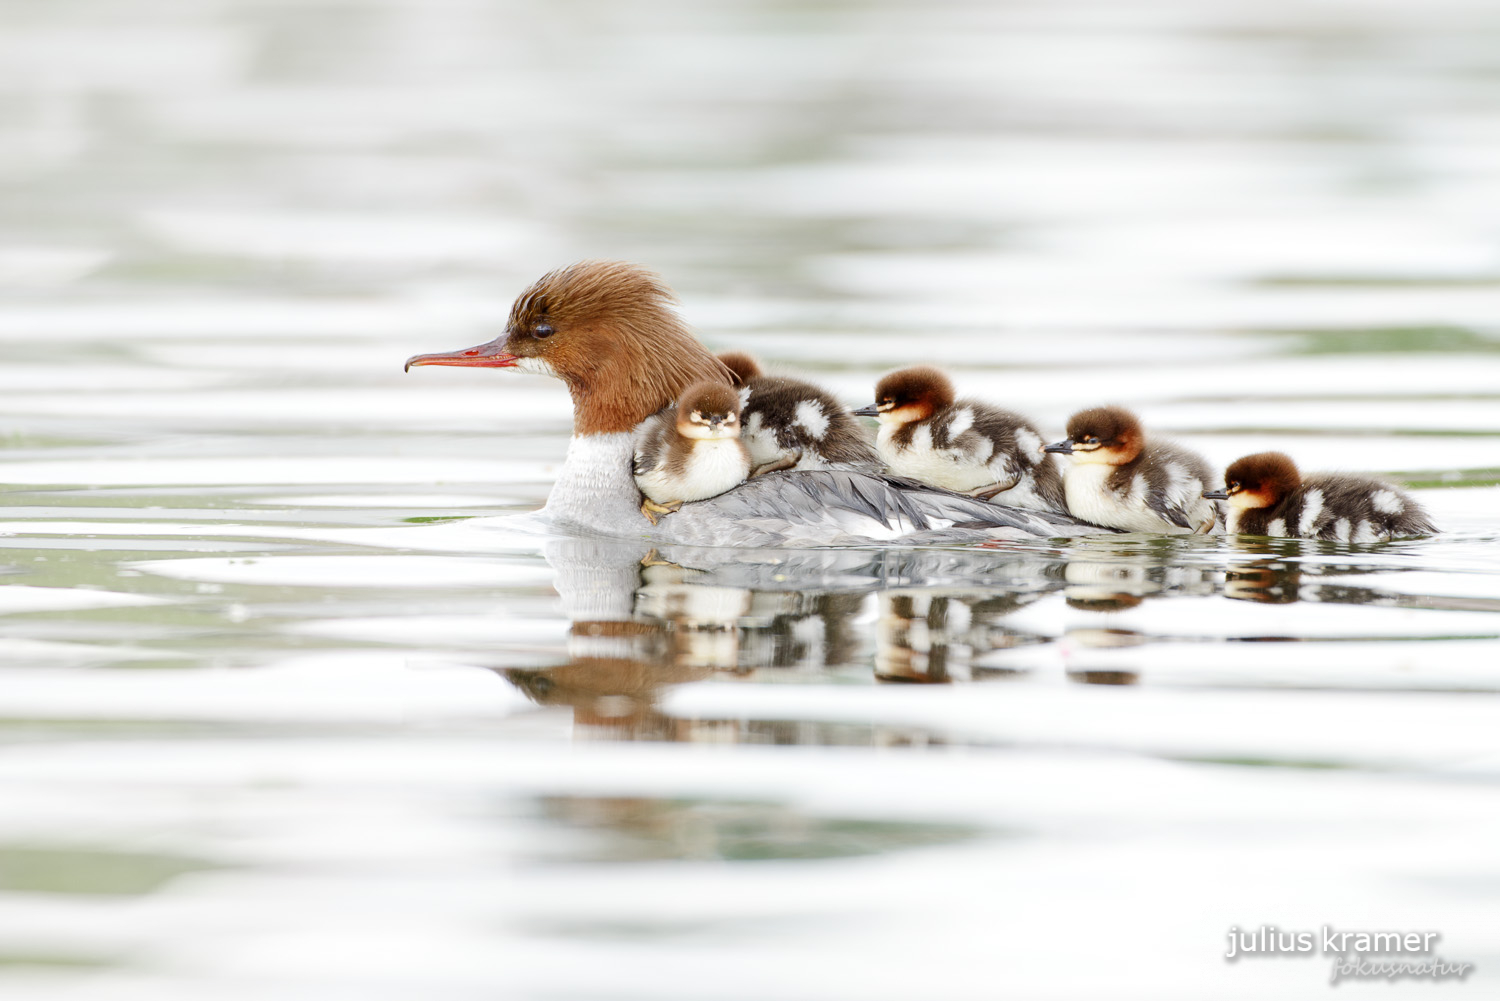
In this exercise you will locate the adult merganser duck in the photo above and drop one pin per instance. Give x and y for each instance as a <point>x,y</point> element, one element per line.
<point>607,330</point>
<point>1120,478</point>
<point>690,452</point>
<point>787,423</point>
<point>962,445</point>
<point>1266,495</point>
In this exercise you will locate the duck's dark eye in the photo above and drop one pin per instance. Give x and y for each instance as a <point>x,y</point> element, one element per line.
<point>1234,486</point>
<point>542,330</point>
<point>1091,440</point>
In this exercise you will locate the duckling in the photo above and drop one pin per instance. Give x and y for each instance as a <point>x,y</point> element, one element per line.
<point>963,445</point>
<point>690,451</point>
<point>1121,479</point>
<point>791,424</point>
<point>1266,495</point>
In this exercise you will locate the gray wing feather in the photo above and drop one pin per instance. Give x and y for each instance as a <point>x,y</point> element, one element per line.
<point>847,507</point>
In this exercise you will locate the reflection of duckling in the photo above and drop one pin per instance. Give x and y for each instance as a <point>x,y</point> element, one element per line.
<point>1091,677</point>
<point>922,638</point>
<point>1122,479</point>
<point>792,424</point>
<point>690,452</point>
<point>701,621</point>
<point>1106,587</point>
<point>963,445</point>
<point>1268,496</point>
<point>1273,584</point>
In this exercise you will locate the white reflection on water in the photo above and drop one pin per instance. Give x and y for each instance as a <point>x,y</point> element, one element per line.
<point>267,730</point>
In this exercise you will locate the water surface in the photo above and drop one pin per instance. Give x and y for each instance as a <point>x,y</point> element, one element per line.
<point>287,709</point>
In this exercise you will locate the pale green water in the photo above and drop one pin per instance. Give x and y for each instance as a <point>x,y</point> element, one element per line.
<point>274,724</point>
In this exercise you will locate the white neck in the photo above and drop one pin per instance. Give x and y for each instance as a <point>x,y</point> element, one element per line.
<point>595,490</point>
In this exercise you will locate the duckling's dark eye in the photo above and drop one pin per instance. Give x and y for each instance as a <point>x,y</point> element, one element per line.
<point>1091,440</point>
<point>1234,486</point>
<point>542,330</point>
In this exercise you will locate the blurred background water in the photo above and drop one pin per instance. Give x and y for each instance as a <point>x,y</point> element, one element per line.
<point>278,719</point>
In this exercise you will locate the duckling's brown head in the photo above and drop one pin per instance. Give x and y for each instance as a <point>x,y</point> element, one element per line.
<point>709,410</point>
<point>742,367</point>
<point>609,331</point>
<point>1108,435</point>
<point>1259,480</point>
<point>910,394</point>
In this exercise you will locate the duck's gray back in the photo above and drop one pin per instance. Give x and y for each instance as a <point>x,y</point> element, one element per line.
<point>845,507</point>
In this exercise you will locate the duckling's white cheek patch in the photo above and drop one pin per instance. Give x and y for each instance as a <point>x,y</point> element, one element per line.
<point>536,366</point>
<point>1386,502</point>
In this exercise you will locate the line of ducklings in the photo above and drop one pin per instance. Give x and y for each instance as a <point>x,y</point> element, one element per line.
<point>718,435</point>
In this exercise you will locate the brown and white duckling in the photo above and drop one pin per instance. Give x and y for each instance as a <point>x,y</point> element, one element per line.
<point>791,424</point>
<point>690,451</point>
<point>963,445</point>
<point>1121,479</point>
<point>1266,495</point>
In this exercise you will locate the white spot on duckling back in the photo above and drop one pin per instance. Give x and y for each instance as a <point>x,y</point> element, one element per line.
<point>1365,532</point>
<point>963,419</point>
<point>1312,510</point>
<point>1029,445</point>
<point>1387,502</point>
<point>1277,528</point>
<point>1342,530</point>
<point>811,417</point>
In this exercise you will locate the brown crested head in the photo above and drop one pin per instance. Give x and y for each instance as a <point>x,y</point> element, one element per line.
<point>914,393</point>
<point>742,367</point>
<point>1261,480</point>
<point>1114,431</point>
<point>608,330</point>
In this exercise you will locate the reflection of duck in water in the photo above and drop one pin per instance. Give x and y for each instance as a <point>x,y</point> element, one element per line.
<point>1270,583</point>
<point>1266,495</point>
<point>608,331</point>
<point>926,616</point>
<point>1121,478</point>
<point>939,635</point>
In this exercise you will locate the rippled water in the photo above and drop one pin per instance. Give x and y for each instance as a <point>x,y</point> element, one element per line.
<point>287,710</point>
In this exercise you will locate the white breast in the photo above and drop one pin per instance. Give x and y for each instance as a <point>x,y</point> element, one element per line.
<point>714,466</point>
<point>1089,497</point>
<point>954,468</point>
<point>759,439</point>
